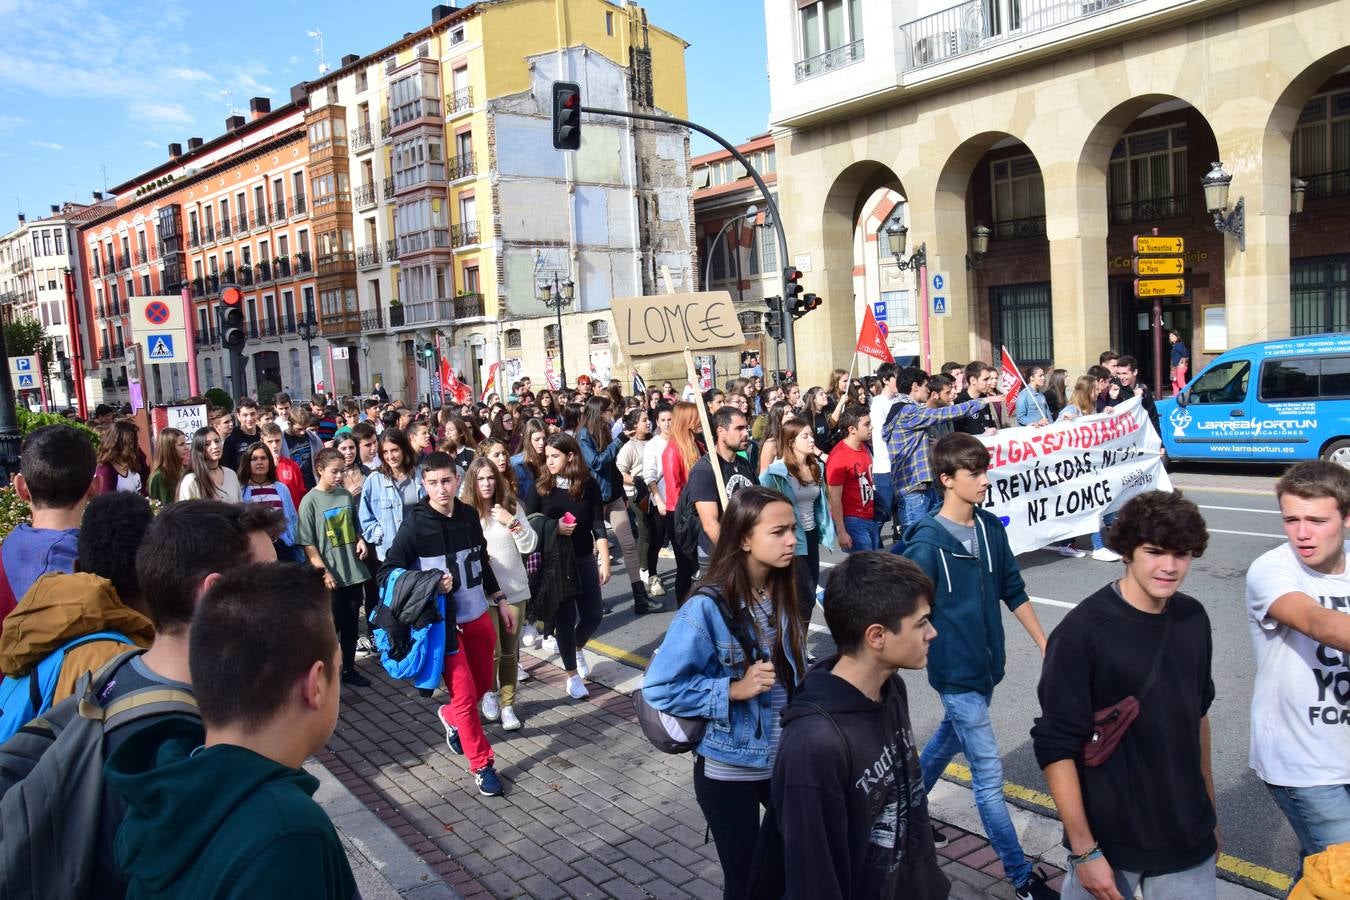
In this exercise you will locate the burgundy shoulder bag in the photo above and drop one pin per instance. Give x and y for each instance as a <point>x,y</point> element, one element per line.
<point>1110,723</point>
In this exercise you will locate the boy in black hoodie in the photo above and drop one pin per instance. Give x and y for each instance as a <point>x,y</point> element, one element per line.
<point>847,789</point>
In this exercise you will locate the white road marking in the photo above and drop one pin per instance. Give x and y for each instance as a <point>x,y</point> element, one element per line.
<point>1046,601</point>
<point>1269,512</point>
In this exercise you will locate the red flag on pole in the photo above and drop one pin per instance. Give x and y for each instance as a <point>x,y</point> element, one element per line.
<point>1009,381</point>
<point>491,384</point>
<point>871,341</point>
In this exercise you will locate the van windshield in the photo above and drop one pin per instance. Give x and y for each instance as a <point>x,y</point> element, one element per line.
<point>1223,383</point>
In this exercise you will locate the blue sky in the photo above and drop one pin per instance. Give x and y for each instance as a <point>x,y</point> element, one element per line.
<point>92,87</point>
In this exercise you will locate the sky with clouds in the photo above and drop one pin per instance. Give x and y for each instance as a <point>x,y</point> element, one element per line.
<point>92,93</point>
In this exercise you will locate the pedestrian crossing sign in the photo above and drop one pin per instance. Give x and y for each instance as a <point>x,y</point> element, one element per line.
<point>159,347</point>
<point>26,382</point>
<point>939,305</point>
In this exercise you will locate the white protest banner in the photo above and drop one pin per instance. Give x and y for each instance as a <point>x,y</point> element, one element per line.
<point>1051,483</point>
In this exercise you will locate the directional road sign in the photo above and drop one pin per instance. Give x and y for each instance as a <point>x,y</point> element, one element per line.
<point>1160,287</point>
<point>1152,243</point>
<point>1159,265</point>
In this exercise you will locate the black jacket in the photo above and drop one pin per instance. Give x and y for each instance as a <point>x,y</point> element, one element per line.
<point>977,422</point>
<point>848,796</point>
<point>412,606</point>
<point>455,544</point>
<point>556,577</point>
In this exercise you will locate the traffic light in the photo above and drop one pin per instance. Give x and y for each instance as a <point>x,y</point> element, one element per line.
<point>566,115</point>
<point>67,372</point>
<point>804,304</point>
<point>232,333</point>
<point>773,319</point>
<point>428,352</point>
<point>792,288</point>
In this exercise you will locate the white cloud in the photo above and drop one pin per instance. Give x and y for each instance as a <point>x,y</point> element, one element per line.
<point>161,113</point>
<point>46,145</point>
<point>150,144</point>
<point>184,73</point>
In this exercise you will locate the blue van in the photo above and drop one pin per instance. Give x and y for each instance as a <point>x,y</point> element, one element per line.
<point>1276,401</point>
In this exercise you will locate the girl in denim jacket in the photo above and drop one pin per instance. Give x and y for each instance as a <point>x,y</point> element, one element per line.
<point>732,655</point>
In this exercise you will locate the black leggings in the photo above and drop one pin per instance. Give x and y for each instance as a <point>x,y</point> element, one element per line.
<point>731,809</point>
<point>346,602</point>
<point>579,616</point>
<point>685,567</point>
<point>657,526</point>
<point>807,570</point>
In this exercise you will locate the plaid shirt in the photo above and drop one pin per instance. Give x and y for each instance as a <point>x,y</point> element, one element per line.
<point>906,433</point>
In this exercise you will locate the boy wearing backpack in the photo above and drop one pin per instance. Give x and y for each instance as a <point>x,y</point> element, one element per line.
<point>57,817</point>
<point>848,792</point>
<point>56,480</point>
<point>234,816</point>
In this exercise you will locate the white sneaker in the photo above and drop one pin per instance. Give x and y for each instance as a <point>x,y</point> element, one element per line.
<point>644,576</point>
<point>1105,554</point>
<point>576,688</point>
<point>509,720</point>
<point>549,644</point>
<point>522,674</point>
<point>529,635</point>
<point>490,708</point>
<point>1070,551</point>
<point>655,588</point>
<point>583,667</point>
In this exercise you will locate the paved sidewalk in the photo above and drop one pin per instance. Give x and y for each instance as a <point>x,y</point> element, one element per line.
<point>591,810</point>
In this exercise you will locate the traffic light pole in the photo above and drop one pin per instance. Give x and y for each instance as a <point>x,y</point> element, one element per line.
<point>790,344</point>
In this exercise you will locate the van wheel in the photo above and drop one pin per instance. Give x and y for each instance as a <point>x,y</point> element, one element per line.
<point>1338,452</point>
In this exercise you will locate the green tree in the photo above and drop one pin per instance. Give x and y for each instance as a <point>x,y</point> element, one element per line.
<point>25,336</point>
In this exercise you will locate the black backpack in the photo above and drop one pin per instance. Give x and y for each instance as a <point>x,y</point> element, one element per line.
<point>686,529</point>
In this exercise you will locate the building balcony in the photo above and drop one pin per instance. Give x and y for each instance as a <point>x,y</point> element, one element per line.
<point>209,234</point>
<point>279,210</point>
<point>391,250</point>
<point>224,230</point>
<point>462,166</point>
<point>206,338</point>
<point>364,196</point>
<point>464,234</point>
<point>260,218</point>
<point>830,60</point>
<point>396,318</point>
<point>340,263</point>
<point>262,270</point>
<point>361,139</point>
<point>142,257</point>
<point>459,102</point>
<point>422,111</point>
<point>389,187</point>
<point>469,306</point>
<point>194,239</point>
<point>1015,229</point>
<point>1328,184</point>
<point>299,207</point>
<point>351,322</point>
<point>422,175</point>
<point>332,204</point>
<point>246,275</point>
<point>428,312</point>
<point>384,130</point>
<point>424,241</point>
<point>1152,210</point>
<point>969,28</point>
<point>282,268</point>
<point>303,264</point>
<point>241,224</point>
<point>368,257</point>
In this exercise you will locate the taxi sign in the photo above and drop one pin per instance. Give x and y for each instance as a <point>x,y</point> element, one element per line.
<point>1151,243</point>
<point>1160,287</point>
<point>1159,265</point>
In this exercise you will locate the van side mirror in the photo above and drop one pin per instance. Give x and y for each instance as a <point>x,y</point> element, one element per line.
<point>1183,397</point>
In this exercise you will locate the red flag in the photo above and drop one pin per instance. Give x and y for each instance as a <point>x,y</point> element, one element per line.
<point>491,382</point>
<point>1009,381</point>
<point>871,341</point>
<point>445,375</point>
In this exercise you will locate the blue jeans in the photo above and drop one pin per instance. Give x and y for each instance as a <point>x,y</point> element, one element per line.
<point>1107,520</point>
<point>914,505</point>
<point>865,535</point>
<point>966,728</point>
<point>1320,816</point>
<point>884,509</point>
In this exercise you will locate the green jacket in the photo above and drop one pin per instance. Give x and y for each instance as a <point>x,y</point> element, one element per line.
<point>221,822</point>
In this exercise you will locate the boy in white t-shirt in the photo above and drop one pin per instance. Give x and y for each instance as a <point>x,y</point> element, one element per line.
<point>1298,597</point>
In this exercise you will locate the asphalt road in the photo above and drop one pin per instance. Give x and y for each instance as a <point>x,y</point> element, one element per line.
<point>1240,510</point>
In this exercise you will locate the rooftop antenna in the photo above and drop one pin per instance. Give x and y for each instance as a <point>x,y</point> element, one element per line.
<point>104,169</point>
<point>229,100</point>
<point>317,35</point>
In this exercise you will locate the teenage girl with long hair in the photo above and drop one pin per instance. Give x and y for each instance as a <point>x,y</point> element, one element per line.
<point>496,452</point>
<point>815,410</point>
<point>600,449</point>
<point>1083,402</point>
<point>549,410</point>
<point>779,415</point>
<point>389,492</point>
<point>682,451</point>
<point>207,478</point>
<point>567,492</point>
<point>258,476</point>
<point>798,475</point>
<point>529,462</point>
<point>504,429</point>
<point>172,455</point>
<point>119,460</point>
<point>460,440</point>
<point>734,654</point>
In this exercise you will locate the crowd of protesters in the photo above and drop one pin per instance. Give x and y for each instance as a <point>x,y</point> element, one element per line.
<point>440,542</point>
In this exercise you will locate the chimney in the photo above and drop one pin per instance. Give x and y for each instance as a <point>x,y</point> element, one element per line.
<point>56,210</point>
<point>22,218</point>
<point>442,11</point>
<point>98,196</point>
<point>259,106</point>
<point>194,143</point>
<point>300,93</point>
<point>349,59</point>
<point>175,151</point>
<point>234,123</point>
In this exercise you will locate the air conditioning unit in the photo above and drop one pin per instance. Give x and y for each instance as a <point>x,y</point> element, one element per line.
<point>934,47</point>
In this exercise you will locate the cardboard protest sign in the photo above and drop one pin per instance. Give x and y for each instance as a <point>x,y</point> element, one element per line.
<point>670,323</point>
<point>1051,483</point>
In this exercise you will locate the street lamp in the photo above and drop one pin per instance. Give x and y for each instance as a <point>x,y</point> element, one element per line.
<point>11,438</point>
<point>307,329</point>
<point>979,246</point>
<point>555,295</point>
<point>896,236</point>
<point>1216,184</point>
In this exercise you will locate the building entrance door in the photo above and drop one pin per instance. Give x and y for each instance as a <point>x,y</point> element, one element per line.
<point>1132,334</point>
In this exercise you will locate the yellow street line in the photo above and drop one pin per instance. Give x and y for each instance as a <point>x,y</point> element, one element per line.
<point>1231,864</point>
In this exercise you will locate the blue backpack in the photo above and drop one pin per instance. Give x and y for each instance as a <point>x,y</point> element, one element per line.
<point>25,697</point>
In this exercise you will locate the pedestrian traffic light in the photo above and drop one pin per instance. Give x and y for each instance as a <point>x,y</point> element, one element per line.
<point>232,333</point>
<point>566,115</point>
<point>804,304</point>
<point>773,319</point>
